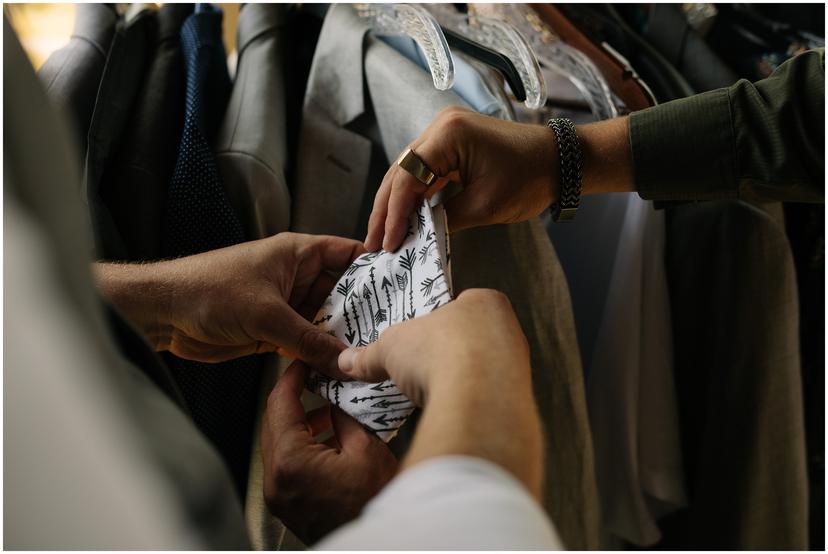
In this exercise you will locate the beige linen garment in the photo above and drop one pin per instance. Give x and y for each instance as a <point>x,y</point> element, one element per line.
<point>364,103</point>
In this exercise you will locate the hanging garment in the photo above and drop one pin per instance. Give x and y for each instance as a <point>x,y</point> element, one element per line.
<point>251,147</point>
<point>72,74</point>
<point>631,391</point>
<point>135,182</point>
<point>222,397</point>
<point>117,96</point>
<point>101,458</point>
<point>613,257</point>
<point>378,290</point>
<point>621,77</point>
<point>665,27</point>
<point>350,133</point>
<point>602,24</point>
<point>733,293</point>
<point>737,360</point>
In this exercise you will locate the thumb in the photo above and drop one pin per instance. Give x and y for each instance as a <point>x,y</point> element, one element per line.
<point>365,364</point>
<point>462,212</point>
<point>296,337</point>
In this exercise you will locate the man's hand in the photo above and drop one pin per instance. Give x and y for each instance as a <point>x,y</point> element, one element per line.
<point>468,364</point>
<point>314,487</point>
<point>249,298</point>
<point>477,337</point>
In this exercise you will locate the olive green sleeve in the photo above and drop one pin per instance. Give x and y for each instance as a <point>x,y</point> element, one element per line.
<point>762,140</point>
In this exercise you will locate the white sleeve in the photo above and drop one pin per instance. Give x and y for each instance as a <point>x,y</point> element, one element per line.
<point>451,502</point>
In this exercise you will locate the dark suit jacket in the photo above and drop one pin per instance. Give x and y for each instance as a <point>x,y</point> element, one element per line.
<point>120,86</point>
<point>136,180</point>
<point>72,74</point>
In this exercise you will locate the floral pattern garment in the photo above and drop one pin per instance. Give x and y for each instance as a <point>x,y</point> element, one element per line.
<point>378,290</point>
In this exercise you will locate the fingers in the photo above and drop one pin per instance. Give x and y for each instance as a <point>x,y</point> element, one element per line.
<point>296,337</point>
<point>335,253</point>
<point>350,435</point>
<point>319,420</point>
<point>406,194</point>
<point>365,364</point>
<point>460,212</point>
<point>376,223</point>
<point>400,193</point>
<point>319,291</point>
<point>285,412</point>
<point>193,349</point>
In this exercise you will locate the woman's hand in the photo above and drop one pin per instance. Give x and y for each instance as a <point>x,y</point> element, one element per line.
<point>508,171</point>
<point>249,298</point>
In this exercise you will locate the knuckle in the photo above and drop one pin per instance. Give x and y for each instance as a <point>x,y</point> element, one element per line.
<point>453,121</point>
<point>451,112</point>
<point>488,299</point>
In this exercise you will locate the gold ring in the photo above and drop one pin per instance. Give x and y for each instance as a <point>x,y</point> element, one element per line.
<point>412,163</point>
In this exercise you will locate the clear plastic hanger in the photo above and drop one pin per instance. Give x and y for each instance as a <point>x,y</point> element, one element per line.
<point>501,37</point>
<point>417,23</point>
<point>557,55</point>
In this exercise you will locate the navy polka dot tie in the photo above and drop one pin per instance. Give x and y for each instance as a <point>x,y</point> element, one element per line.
<point>222,397</point>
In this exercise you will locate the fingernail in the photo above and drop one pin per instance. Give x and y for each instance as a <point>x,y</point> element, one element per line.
<point>347,359</point>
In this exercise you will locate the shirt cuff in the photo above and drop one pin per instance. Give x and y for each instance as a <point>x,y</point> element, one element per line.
<point>685,149</point>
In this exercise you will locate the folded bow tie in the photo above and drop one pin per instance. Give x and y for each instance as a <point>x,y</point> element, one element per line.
<point>378,290</point>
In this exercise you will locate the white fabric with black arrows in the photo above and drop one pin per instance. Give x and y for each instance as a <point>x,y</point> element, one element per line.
<point>378,290</point>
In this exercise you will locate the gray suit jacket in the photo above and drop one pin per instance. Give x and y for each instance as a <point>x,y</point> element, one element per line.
<point>364,103</point>
<point>251,146</point>
<point>97,457</point>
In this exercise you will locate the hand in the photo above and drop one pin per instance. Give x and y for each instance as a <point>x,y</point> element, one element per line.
<point>472,338</point>
<point>509,173</point>
<point>468,364</point>
<point>314,487</point>
<point>249,298</point>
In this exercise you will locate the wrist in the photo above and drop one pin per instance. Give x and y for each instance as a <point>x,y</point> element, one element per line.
<point>542,156</point>
<point>486,414</point>
<point>143,293</point>
<point>551,166</point>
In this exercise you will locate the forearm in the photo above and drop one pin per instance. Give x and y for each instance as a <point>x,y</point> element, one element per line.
<point>608,165</point>
<point>143,294</point>
<point>489,417</point>
<point>761,140</point>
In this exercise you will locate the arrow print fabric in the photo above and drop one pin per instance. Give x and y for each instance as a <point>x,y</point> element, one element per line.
<point>378,290</point>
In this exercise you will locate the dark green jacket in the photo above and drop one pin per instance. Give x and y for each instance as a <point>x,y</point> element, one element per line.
<point>760,141</point>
